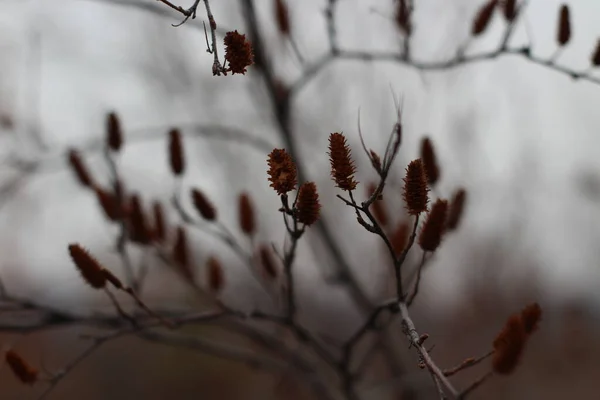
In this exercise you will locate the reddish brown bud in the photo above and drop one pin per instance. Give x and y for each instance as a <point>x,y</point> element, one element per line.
<point>457,207</point>
<point>246,214</point>
<point>563,34</point>
<point>531,315</point>
<point>268,263</point>
<point>181,255</point>
<point>139,229</point>
<point>375,161</point>
<point>176,155</point>
<point>238,52</point>
<point>403,17</point>
<point>415,188</point>
<point>160,226</point>
<point>509,9</point>
<point>378,206</point>
<point>22,370</point>
<point>508,346</point>
<point>114,134</point>
<point>596,55</point>
<point>342,165</point>
<point>91,270</point>
<point>308,206</point>
<point>282,171</point>
<point>215,276</point>
<point>399,238</point>
<point>109,204</point>
<point>204,207</point>
<point>283,17</point>
<point>434,227</point>
<point>79,168</point>
<point>430,164</point>
<point>483,18</point>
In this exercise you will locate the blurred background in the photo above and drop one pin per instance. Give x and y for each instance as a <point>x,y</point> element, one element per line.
<point>521,138</point>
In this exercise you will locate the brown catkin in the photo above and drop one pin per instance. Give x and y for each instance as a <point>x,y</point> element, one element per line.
<point>282,171</point>
<point>403,17</point>
<point>430,237</point>
<point>215,276</point>
<point>432,170</point>
<point>308,206</point>
<point>415,188</point>
<point>378,207</point>
<point>246,214</point>
<point>563,33</point>
<point>109,204</point>
<point>89,268</point>
<point>596,55</point>
<point>181,255</point>
<point>509,346</point>
<point>81,172</point>
<point>160,225</point>
<point>203,205</point>
<point>139,229</point>
<point>238,52</point>
<point>457,207</point>
<point>22,370</point>
<point>283,17</point>
<point>268,263</point>
<point>176,155</point>
<point>342,165</point>
<point>531,316</point>
<point>114,133</point>
<point>399,237</point>
<point>483,18</point>
<point>509,9</point>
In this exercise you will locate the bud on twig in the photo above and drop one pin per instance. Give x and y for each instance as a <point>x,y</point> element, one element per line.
<point>430,164</point>
<point>483,18</point>
<point>282,171</point>
<point>342,165</point>
<point>176,155</point>
<point>415,188</point>
<point>91,270</point>
<point>434,227</point>
<point>204,207</point>
<point>308,206</point>
<point>563,34</point>
<point>114,134</point>
<point>238,52</point>
<point>79,168</point>
<point>215,277</point>
<point>283,17</point>
<point>246,214</point>
<point>25,372</point>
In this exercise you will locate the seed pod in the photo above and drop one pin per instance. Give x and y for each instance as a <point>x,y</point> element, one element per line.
<point>282,171</point>
<point>139,229</point>
<point>267,262</point>
<point>342,165</point>
<point>457,207</point>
